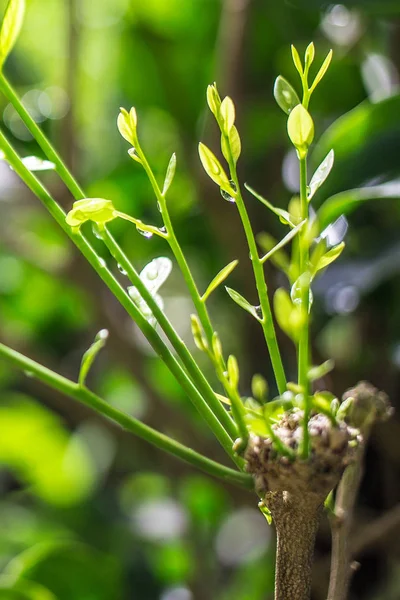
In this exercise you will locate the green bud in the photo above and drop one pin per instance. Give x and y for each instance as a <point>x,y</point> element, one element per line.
<point>217,348</point>
<point>127,123</point>
<point>309,54</point>
<point>227,112</point>
<point>198,336</point>
<point>98,210</point>
<point>233,371</point>
<point>213,100</point>
<point>259,388</point>
<point>300,128</point>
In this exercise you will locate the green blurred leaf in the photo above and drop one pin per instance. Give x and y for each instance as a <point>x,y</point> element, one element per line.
<point>366,142</point>
<point>10,27</point>
<point>346,202</point>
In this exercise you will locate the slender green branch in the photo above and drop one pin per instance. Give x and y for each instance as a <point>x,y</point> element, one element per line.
<point>178,344</point>
<point>150,333</point>
<point>161,441</point>
<point>267,320</point>
<point>175,247</point>
<point>41,139</point>
<point>303,347</point>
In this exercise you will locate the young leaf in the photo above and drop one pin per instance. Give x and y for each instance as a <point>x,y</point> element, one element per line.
<point>170,174</point>
<point>322,71</point>
<point>10,28</point>
<point>243,303</point>
<point>235,145</point>
<point>214,170</point>
<point>300,127</point>
<point>90,355</point>
<point>296,60</point>
<point>285,96</point>
<point>279,258</point>
<point>213,100</point>
<point>127,123</point>
<point>219,278</point>
<point>321,174</point>
<point>197,332</point>
<point>309,54</point>
<point>283,241</point>
<point>321,370</point>
<point>227,112</point>
<point>283,215</point>
<point>330,256</point>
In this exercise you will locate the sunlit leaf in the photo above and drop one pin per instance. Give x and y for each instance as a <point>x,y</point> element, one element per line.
<point>98,210</point>
<point>296,60</point>
<point>214,100</point>
<point>10,27</point>
<point>290,317</point>
<point>219,278</point>
<point>90,355</point>
<point>300,127</point>
<point>242,302</point>
<point>322,71</point>
<point>309,54</point>
<point>214,169</point>
<point>232,146</point>
<point>321,174</point>
<point>227,112</point>
<point>170,174</point>
<point>330,256</point>
<point>127,123</point>
<point>285,95</point>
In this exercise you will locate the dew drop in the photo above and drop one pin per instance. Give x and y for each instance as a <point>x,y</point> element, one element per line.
<point>259,311</point>
<point>29,374</point>
<point>227,196</point>
<point>146,234</point>
<point>122,270</point>
<point>96,232</point>
<point>163,229</point>
<point>102,263</point>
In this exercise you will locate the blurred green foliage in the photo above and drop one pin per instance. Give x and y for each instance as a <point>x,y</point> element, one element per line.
<point>87,512</point>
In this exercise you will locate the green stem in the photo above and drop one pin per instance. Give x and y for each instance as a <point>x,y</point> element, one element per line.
<point>176,249</point>
<point>150,333</point>
<point>161,441</point>
<point>178,344</point>
<point>41,139</point>
<point>303,347</point>
<point>267,320</point>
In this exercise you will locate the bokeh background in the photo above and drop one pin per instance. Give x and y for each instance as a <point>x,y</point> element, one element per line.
<point>87,512</point>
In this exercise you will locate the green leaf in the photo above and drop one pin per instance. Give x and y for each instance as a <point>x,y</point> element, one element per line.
<point>321,370</point>
<point>322,71</point>
<point>235,143</point>
<point>321,174</point>
<point>285,95</point>
<point>279,258</point>
<point>243,303</point>
<point>227,112</point>
<point>309,54</point>
<point>90,355</point>
<point>213,100</point>
<point>10,27</point>
<point>296,60</point>
<point>346,202</point>
<point>283,215</point>
<point>127,123</point>
<point>300,127</point>
<point>219,278</point>
<point>329,256</point>
<point>283,241</point>
<point>214,170</point>
<point>170,174</point>
<point>233,371</point>
<point>198,335</point>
